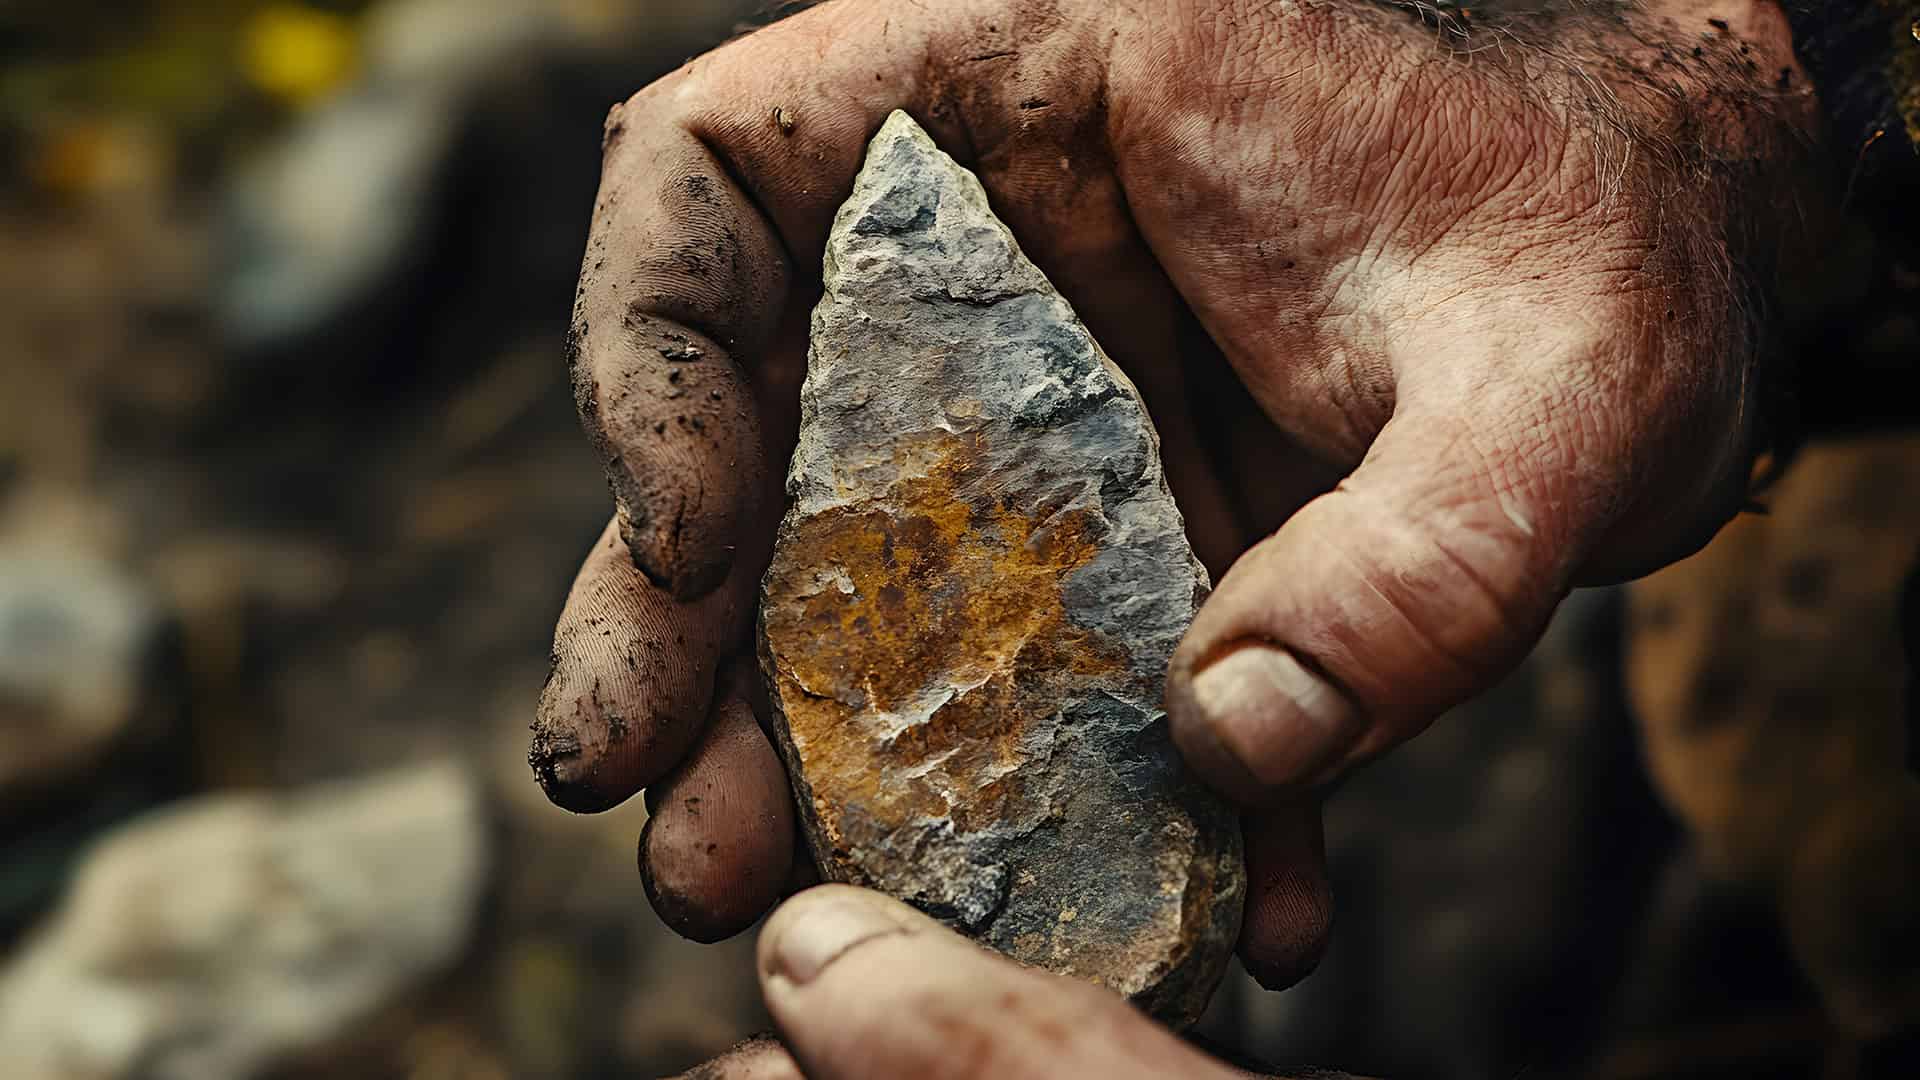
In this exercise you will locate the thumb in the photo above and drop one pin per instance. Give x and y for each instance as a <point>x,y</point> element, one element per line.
<point>1420,580</point>
<point>865,987</point>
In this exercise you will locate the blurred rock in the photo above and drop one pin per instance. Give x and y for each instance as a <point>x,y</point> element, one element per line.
<point>215,937</point>
<point>82,647</point>
<point>1773,691</point>
<point>362,524</point>
<point>321,221</point>
<point>369,206</point>
<point>347,201</point>
<point>1487,878</point>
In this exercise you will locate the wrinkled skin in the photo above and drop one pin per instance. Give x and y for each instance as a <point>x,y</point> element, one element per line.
<point>951,1008</point>
<point>1432,334</point>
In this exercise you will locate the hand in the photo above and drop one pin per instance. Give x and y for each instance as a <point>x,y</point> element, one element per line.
<point>1434,325</point>
<point>866,988</point>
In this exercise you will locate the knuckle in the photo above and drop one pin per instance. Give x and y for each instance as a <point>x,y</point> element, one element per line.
<point>1439,159</point>
<point>1465,574</point>
<point>642,111</point>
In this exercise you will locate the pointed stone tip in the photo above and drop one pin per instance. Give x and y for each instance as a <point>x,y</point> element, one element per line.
<point>899,190</point>
<point>902,143</point>
<point>899,125</point>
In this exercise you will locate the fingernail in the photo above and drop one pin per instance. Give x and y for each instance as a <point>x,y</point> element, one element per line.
<point>1282,722</point>
<point>821,932</point>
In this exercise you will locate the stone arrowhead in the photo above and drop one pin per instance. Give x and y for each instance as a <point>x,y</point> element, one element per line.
<point>966,626</point>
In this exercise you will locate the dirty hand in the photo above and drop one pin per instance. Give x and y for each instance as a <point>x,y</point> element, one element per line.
<point>866,988</point>
<point>1435,324</point>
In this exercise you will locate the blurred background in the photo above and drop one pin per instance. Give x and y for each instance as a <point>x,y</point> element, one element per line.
<point>291,491</point>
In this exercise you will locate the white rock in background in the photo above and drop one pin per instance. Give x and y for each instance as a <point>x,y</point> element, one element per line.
<point>328,217</point>
<point>78,638</point>
<point>215,937</point>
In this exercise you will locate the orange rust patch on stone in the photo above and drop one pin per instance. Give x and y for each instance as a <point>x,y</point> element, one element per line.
<point>927,634</point>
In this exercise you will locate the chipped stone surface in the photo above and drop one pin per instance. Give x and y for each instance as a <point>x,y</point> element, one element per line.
<point>966,626</point>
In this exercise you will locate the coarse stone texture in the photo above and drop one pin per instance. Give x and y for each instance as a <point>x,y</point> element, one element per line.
<point>966,626</point>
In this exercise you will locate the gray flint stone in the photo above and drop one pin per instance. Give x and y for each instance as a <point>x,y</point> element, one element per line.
<point>966,626</point>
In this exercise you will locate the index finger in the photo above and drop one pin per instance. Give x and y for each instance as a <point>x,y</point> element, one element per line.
<point>704,189</point>
<point>684,288</point>
<point>718,188</point>
<point>719,184</point>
